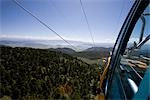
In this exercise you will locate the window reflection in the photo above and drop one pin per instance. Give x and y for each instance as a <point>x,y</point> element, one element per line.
<point>136,57</point>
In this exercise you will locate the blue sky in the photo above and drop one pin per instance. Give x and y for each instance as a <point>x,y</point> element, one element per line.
<point>66,18</point>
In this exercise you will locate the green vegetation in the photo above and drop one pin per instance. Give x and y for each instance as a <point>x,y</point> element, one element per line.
<point>93,55</point>
<point>90,61</point>
<point>28,73</point>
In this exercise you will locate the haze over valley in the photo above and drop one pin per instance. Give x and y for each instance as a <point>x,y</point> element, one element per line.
<point>45,44</point>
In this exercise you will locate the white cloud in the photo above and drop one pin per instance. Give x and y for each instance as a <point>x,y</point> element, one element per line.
<point>30,37</point>
<point>75,38</point>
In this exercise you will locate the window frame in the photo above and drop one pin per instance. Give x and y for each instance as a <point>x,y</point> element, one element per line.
<point>122,40</point>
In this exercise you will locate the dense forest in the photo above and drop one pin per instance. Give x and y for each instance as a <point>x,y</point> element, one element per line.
<point>28,73</point>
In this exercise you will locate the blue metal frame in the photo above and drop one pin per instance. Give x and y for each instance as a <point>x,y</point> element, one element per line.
<point>123,37</point>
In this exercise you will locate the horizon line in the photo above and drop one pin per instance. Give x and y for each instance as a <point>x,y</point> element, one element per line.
<point>46,38</point>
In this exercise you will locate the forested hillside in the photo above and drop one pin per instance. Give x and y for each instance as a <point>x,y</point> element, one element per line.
<point>28,73</point>
<point>90,53</point>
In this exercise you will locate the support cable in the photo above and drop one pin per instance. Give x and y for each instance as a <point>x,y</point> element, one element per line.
<point>86,19</point>
<point>44,24</point>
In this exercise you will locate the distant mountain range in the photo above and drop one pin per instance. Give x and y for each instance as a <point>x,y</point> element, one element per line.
<point>90,53</point>
<point>45,44</point>
<point>85,49</point>
<point>64,50</point>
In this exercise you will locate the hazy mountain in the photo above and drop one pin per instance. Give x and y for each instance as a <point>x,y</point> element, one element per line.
<point>22,43</point>
<point>45,44</point>
<point>95,52</point>
<point>64,50</point>
<point>98,49</point>
<point>90,53</point>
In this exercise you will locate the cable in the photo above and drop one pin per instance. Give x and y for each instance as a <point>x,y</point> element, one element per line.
<point>86,19</point>
<point>119,17</point>
<point>44,24</point>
